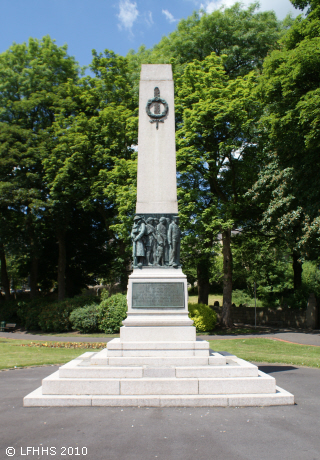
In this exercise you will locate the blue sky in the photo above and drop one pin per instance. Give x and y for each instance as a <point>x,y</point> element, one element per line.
<point>118,25</point>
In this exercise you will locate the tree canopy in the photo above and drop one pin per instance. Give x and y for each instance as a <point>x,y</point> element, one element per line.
<point>247,133</point>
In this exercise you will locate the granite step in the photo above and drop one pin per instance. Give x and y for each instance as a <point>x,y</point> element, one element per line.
<point>280,397</point>
<point>53,384</point>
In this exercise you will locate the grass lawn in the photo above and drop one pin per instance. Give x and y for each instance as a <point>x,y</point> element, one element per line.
<point>269,351</point>
<point>13,354</point>
<point>212,298</point>
<point>22,353</point>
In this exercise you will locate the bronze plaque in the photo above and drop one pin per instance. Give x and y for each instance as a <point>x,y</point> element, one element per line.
<point>157,295</point>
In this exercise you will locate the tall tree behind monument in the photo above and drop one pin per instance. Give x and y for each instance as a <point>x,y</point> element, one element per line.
<point>216,161</point>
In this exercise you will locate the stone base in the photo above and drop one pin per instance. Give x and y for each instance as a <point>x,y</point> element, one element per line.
<point>158,374</point>
<point>158,361</point>
<point>280,398</point>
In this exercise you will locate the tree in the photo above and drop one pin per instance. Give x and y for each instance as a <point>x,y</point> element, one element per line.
<point>215,159</point>
<point>92,153</point>
<point>290,91</point>
<point>31,82</point>
<point>244,36</point>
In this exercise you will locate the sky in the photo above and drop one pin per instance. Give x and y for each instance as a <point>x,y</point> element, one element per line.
<point>117,25</point>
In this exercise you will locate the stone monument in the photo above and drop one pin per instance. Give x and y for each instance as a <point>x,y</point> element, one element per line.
<point>157,361</point>
<point>157,290</point>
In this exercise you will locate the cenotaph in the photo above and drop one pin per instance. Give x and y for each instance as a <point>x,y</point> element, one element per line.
<point>157,361</point>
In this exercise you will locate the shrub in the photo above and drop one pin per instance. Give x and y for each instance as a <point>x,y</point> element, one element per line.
<point>29,311</point>
<point>48,314</point>
<point>55,316</point>
<point>85,319</point>
<point>112,311</point>
<point>8,311</point>
<point>204,318</point>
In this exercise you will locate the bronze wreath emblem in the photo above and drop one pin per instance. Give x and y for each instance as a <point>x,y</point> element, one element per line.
<point>157,116</point>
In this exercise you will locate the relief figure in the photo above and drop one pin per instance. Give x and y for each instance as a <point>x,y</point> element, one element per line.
<point>155,241</point>
<point>137,235</point>
<point>150,241</point>
<point>161,236</point>
<point>174,236</point>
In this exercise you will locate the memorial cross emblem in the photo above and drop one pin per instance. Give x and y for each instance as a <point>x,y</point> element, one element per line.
<point>157,116</point>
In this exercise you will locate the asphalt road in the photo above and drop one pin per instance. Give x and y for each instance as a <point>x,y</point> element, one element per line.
<point>270,433</point>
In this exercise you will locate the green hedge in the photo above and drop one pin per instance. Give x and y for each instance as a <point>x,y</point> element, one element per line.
<point>79,314</point>
<point>112,311</point>
<point>50,315</point>
<point>85,319</point>
<point>204,318</point>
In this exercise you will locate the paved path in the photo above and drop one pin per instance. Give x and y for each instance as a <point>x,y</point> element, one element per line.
<point>304,338</point>
<point>52,338</point>
<point>133,433</point>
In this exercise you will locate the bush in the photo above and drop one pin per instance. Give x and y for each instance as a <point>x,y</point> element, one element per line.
<point>49,315</point>
<point>55,316</point>
<point>85,319</point>
<point>204,318</point>
<point>8,311</point>
<point>112,311</point>
<point>29,311</point>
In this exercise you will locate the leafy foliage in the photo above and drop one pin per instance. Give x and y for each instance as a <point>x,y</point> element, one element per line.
<point>215,159</point>
<point>49,315</point>
<point>289,89</point>
<point>85,319</point>
<point>112,311</point>
<point>247,149</point>
<point>243,36</point>
<point>203,317</point>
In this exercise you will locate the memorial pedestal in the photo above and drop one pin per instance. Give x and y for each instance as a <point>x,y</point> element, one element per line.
<point>157,361</point>
<point>157,307</point>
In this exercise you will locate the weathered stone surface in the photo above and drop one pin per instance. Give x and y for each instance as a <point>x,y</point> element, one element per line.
<point>158,386</point>
<point>157,188</point>
<point>158,334</point>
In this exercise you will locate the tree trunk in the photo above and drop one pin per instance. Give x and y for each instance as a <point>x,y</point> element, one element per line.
<point>62,265</point>
<point>226,318</point>
<point>297,271</point>
<point>5,283</point>
<point>203,276</point>
<point>34,291</point>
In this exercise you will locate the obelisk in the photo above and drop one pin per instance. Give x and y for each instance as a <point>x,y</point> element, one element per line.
<point>157,290</point>
<point>157,185</point>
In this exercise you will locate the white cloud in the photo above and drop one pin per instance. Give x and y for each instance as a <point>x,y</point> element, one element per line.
<point>211,5</point>
<point>148,18</point>
<point>128,13</point>
<point>169,16</point>
<point>281,7</point>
